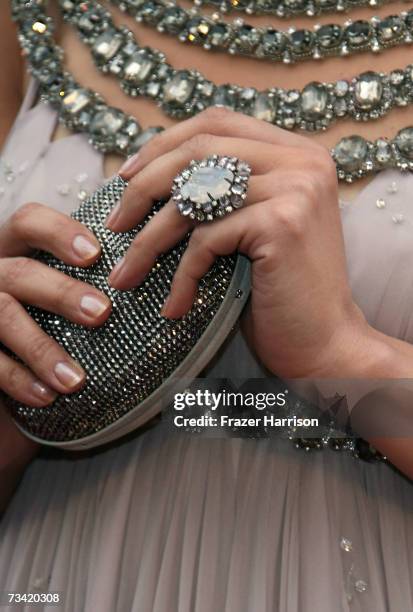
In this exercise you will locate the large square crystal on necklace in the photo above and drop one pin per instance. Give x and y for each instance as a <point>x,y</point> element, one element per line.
<point>107,45</point>
<point>75,101</point>
<point>351,152</point>
<point>179,89</point>
<point>404,142</point>
<point>368,90</point>
<point>137,68</point>
<point>107,122</point>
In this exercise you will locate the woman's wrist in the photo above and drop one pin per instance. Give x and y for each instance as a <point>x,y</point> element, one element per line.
<point>14,459</point>
<point>16,450</point>
<point>358,350</point>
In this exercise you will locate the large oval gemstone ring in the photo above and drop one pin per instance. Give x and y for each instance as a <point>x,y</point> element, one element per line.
<point>211,188</point>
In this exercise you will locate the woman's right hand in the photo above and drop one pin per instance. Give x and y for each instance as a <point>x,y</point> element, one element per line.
<point>46,369</point>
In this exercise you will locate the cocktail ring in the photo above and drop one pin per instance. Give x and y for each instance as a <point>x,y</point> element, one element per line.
<point>211,188</point>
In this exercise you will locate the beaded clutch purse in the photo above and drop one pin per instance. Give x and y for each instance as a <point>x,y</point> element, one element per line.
<point>137,359</point>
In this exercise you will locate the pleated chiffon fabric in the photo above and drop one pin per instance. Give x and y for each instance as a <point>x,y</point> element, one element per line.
<point>165,522</point>
<point>171,522</point>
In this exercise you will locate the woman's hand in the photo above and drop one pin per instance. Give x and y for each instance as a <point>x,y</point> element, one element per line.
<point>301,319</point>
<point>46,369</point>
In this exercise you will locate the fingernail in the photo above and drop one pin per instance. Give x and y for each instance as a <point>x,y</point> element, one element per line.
<point>113,215</point>
<point>130,164</point>
<point>69,375</point>
<point>85,248</point>
<point>43,392</point>
<point>116,272</point>
<point>93,306</point>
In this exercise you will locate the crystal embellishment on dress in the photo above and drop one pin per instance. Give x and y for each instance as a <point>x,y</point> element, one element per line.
<point>381,203</point>
<point>342,203</point>
<point>82,177</point>
<point>392,188</point>
<point>353,585</point>
<point>82,195</point>
<point>41,583</point>
<point>23,167</point>
<point>398,218</point>
<point>360,586</point>
<point>63,189</point>
<point>346,544</point>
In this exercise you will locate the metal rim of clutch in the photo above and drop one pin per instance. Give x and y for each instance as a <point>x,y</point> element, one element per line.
<point>196,360</point>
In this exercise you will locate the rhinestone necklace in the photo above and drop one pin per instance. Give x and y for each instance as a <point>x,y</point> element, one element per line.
<point>287,8</point>
<point>111,130</point>
<point>183,93</point>
<point>267,43</point>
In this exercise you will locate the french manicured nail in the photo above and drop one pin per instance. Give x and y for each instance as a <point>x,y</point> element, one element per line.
<point>84,248</point>
<point>130,164</point>
<point>43,392</point>
<point>93,306</point>
<point>68,374</point>
<point>113,215</point>
<point>117,271</point>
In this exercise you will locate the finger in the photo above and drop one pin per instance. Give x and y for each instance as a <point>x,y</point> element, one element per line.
<point>20,384</point>
<point>31,282</point>
<point>34,226</point>
<point>155,180</point>
<point>207,242</point>
<point>45,357</point>
<point>217,122</point>
<point>160,234</point>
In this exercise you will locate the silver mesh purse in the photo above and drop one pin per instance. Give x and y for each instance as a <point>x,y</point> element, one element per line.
<point>137,359</point>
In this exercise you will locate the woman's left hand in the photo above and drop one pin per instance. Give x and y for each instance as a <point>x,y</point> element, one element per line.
<point>301,318</point>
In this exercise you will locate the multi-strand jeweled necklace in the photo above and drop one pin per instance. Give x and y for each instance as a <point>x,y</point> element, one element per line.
<point>239,38</point>
<point>182,93</point>
<point>144,71</point>
<point>287,8</point>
